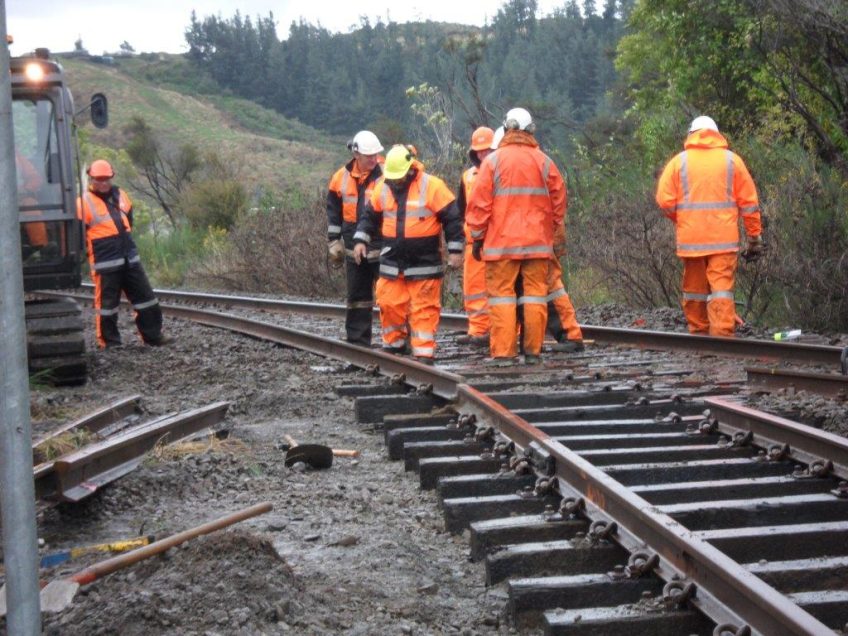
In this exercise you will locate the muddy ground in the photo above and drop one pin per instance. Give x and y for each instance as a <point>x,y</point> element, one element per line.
<point>356,549</point>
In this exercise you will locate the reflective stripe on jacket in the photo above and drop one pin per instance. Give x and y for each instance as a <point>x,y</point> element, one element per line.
<point>347,194</point>
<point>519,198</point>
<point>411,222</point>
<point>703,190</point>
<point>107,230</point>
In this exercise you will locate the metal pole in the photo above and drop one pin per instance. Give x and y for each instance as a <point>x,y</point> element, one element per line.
<point>17,492</point>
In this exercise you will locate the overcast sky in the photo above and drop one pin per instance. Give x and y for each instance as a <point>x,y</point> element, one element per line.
<point>159,25</point>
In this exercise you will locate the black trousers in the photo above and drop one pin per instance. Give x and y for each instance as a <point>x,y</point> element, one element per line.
<point>132,281</point>
<point>360,300</point>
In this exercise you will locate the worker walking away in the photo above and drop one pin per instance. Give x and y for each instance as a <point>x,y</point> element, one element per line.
<point>703,190</point>
<point>107,213</point>
<point>411,209</point>
<point>347,194</point>
<point>474,293</point>
<point>519,199</point>
<point>562,319</point>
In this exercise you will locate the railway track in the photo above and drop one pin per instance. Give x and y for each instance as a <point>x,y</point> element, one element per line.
<point>613,491</point>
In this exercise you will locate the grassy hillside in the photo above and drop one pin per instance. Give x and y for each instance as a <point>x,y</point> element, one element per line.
<point>276,152</point>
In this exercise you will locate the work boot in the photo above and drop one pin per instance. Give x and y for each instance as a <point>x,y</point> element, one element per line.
<point>424,360</point>
<point>568,346</point>
<point>475,341</point>
<point>531,360</point>
<point>398,351</point>
<point>499,362</point>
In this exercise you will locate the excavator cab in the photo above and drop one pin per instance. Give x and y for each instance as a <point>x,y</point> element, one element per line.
<point>52,237</point>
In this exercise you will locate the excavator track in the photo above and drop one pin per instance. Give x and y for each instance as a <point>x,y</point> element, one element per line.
<point>55,341</point>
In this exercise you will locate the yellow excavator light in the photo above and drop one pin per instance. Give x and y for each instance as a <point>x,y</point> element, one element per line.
<point>34,72</point>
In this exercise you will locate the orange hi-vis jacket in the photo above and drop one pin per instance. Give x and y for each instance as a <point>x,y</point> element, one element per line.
<point>519,199</point>
<point>347,194</point>
<point>411,225</point>
<point>107,230</point>
<point>703,190</point>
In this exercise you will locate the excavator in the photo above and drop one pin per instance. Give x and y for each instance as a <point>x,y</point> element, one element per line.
<point>52,238</point>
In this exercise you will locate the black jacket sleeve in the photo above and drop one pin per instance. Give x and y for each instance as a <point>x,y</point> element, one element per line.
<point>452,224</point>
<point>368,226</point>
<point>334,216</point>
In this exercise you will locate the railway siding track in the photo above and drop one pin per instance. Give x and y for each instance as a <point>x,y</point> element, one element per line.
<point>650,506</point>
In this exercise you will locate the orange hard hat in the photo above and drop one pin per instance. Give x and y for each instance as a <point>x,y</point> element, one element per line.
<point>481,139</point>
<point>101,169</point>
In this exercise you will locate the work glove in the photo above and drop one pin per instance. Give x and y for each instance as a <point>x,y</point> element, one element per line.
<point>454,261</point>
<point>754,250</point>
<point>559,250</point>
<point>477,250</point>
<point>336,251</point>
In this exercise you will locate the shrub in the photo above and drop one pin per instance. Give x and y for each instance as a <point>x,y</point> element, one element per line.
<point>278,247</point>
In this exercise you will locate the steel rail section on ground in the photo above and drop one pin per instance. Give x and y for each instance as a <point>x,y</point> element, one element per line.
<point>78,474</point>
<point>818,383</point>
<point>726,592</point>
<point>641,338</point>
<point>806,444</point>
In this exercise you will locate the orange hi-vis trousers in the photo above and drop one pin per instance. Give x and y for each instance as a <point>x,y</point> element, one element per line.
<point>474,294</point>
<point>417,303</point>
<point>558,297</point>
<point>707,297</point>
<point>500,282</point>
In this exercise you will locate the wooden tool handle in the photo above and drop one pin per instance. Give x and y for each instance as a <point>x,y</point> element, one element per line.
<point>345,452</point>
<point>290,440</point>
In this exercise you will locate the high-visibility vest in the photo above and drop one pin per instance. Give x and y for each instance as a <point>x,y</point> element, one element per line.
<point>412,226</point>
<point>704,189</point>
<point>519,197</point>
<point>110,244</point>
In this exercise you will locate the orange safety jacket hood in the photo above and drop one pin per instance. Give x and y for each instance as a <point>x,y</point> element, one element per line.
<point>411,222</point>
<point>347,194</point>
<point>703,190</point>
<point>108,223</point>
<point>519,198</point>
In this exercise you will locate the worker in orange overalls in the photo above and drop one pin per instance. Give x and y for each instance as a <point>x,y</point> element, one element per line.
<point>411,209</point>
<point>347,193</point>
<point>703,190</point>
<point>474,293</point>
<point>107,213</point>
<point>518,201</point>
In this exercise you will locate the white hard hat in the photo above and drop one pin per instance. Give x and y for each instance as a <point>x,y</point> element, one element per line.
<point>496,140</point>
<point>365,143</point>
<point>703,122</point>
<point>518,119</point>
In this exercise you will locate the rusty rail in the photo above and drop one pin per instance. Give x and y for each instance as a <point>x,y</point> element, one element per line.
<point>805,444</point>
<point>818,383</point>
<point>640,338</point>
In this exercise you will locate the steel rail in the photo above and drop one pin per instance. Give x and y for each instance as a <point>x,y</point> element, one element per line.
<point>819,383</point>
<point>726,592</point>
<point>79,474</point>
<point>640,338</point>
<point>806,444</point>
